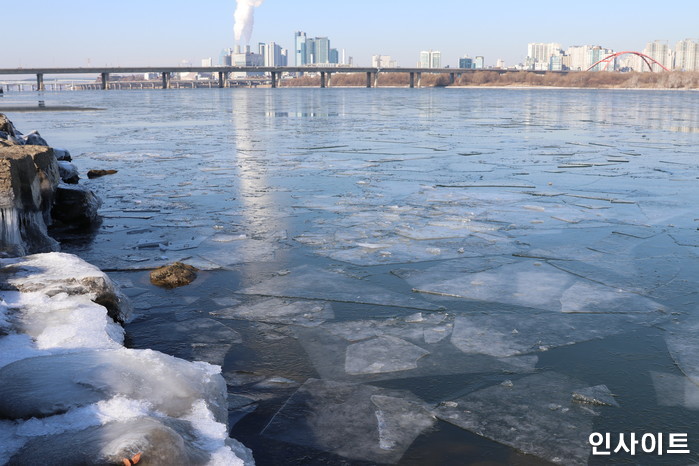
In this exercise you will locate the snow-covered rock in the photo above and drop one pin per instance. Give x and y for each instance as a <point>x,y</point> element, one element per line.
<point>70,393</point>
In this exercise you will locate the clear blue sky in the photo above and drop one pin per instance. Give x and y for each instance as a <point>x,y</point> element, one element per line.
<point>153,32</point>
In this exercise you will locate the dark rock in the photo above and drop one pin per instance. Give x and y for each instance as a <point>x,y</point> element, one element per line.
<point>28,178</point>
<point>9,130</point>
<point>76,206</point>
<point>97,173</point>
<point>68,172</point>
<point>62,154</point>
<point>34,139</point>
<point>173,275</point>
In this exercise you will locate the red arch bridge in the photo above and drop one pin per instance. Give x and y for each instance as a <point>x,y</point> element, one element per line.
<point>648,60</point>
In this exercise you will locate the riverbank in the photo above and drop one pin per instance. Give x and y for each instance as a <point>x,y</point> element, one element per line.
<point>489,78</point>
<point>70,392</point>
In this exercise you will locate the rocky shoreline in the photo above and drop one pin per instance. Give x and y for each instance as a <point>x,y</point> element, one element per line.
<point>70,392</point>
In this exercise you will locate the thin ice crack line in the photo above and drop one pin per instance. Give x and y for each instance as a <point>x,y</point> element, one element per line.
<point>423,308</point>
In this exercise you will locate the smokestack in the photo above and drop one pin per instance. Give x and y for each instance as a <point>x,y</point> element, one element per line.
<point>244,19</point>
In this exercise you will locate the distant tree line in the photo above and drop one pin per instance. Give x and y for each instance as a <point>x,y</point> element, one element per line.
<point>599,79</point>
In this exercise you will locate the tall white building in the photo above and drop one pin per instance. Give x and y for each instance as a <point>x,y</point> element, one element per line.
<point>430,59</point>
<point>540,53</point>
<point>579,58</point>
<point>383,61</point>
<point>660,52</point>
<point>273,54</point>
<point>687,55</point>
<point>582,57</point>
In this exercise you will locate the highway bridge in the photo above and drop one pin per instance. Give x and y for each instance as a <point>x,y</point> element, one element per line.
<point>273,73</point>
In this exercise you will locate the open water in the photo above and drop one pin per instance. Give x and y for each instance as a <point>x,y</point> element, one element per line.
<point>425,276</point>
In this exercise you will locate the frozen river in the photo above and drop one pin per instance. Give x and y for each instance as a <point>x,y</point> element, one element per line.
<point>433,276</point>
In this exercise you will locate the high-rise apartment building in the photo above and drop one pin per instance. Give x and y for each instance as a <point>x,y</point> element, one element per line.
<point>582,57</point>
<point>334,56</point>
<point>479,62</point>
<point>273,54</point>
<point>322,50</point>
<point>430,59</point>
<point>660,52</point>
<point>541,53</point>
<point>687,55</point>
<point>300,48</point>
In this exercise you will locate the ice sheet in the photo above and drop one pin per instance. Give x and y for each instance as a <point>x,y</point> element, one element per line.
<point>393,349</point>
<point>527,331</point>
<point>279,311</point>
<point>311,283</point>
<point>534,414</point>
<point>535,285</point>
<point>358,422</point>
<point>682,340</point>
<point>675,390</point>
<point>382,354</point>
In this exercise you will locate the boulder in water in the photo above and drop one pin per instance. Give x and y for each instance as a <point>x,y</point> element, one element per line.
<point>68,172</point>
<point>97,173</point>
<point>76,206</point>
<point>173,275</point>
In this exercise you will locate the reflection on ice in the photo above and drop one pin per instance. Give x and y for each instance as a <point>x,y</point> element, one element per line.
<point>354,421</point>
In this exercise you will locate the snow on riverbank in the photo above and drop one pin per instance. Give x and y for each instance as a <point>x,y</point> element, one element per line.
<point>70,393</point>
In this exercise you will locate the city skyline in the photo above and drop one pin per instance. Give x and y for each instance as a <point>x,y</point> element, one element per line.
<point>76,35</point>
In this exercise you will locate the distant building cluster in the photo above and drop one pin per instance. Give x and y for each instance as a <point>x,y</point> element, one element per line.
<point>270,54</point>
<point>315,51</point>
<point>552,57</point>
<point>477,63</point>
<point>383,61</point>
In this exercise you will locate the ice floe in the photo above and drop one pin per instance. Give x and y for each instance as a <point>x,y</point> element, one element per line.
<point>312,283</point>
<point>359,422</point>
<point>535,414</point>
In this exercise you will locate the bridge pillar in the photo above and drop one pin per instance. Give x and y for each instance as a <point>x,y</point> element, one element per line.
<point>220,79</point>
<point>368,79</point>
<point>376,79</point>
<point>451,78</point>
<point>166,80</point>
<point>322,79</point>
<point>412,79</point>
<point>419,80</point>
<point>105,81</point>
<point>329,76</point>
<point>274,79</point>
<point>40,82</point>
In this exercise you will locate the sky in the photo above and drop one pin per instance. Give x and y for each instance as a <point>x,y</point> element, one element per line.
<point>70,33</point>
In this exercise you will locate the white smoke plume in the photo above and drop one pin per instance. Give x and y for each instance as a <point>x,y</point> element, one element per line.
<point>244,17</point>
